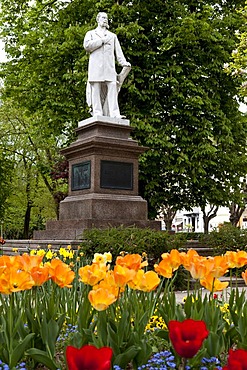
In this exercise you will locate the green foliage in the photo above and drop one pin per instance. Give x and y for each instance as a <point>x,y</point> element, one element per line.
<point>6,171</point>
<point>35,188</point>
<point>14,339</point>
<point>122,327</point>
<point>178,106</point>
<point>130,240</point>
<point>227,238</point>
<point>238,63</point>
<point>180,100</point>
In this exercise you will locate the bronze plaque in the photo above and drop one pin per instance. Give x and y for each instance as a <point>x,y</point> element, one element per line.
<point>81,176</point>
<point>116,175</point>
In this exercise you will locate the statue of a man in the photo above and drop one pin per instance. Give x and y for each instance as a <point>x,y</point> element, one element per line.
<point>103,82</point>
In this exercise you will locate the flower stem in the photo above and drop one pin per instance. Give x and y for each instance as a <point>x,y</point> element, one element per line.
<point>183,364</point>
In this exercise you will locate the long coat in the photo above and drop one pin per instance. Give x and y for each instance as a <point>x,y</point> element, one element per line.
<point>101,66</point>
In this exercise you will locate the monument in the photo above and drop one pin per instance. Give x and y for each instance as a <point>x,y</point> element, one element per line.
<point>103,161</point>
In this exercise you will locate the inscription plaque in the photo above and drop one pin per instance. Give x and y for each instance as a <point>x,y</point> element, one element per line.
<point>81,176</point>
<point>116,175</point>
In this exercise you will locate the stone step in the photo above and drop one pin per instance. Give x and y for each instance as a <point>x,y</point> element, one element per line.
<point>11,247</point>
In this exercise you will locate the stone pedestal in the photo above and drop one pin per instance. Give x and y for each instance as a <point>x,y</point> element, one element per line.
<point>103,181</point>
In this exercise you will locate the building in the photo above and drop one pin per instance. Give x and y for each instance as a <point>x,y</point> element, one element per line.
<point>193,220</point>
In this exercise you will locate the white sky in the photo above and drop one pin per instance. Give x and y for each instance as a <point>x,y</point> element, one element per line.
<point>243,107</point>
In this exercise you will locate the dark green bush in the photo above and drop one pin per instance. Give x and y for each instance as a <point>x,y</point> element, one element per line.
<point>227,238</point>
<point>130,240</point>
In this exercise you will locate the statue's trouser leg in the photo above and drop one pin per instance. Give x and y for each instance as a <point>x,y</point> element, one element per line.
<point>112,97</point>
<point>96,102</point>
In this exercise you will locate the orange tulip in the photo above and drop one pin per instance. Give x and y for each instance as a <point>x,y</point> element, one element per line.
<point>123,275</point>
<point>109,283</point>
<point>131,261</point>
<point>145,281</point>
<point>244,276</point>
<point>28,262</point>
<point>40,274</point>
<point>217,266</point>
<point>236,259</point>
<point>197,269</point>
<point>174,257</point>
<point>101,298</point>
<point>170,263</point>
<point>60,273</point>
<point>3,265</point>
<point>189,257</point>
<point>93,274</point>
<point>10,261</point>
<point>213,284</point>
<point>164,268</point>
<point>14,280</point>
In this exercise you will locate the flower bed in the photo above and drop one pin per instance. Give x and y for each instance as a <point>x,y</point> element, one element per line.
<point>50,302</point>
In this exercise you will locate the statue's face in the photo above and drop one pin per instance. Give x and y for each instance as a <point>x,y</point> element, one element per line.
<point>103,20</point>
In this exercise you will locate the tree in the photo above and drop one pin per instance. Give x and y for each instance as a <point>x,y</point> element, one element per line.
<point>35,156</point>
<point>237,66</point>
<point>196,134</point>
<point>180,100</point>
<point>6,168</point>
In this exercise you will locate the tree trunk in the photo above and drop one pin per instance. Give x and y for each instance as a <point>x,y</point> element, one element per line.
<point>58,197</point>
<point>207,217</point>
<point>27,221</point>
<point>168,216</point>
<point>29,200</point>
<point>235,213</point>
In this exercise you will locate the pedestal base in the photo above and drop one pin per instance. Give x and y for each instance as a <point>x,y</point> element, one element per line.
<point>103,207</point>
<point>103,181</point>
<point>73,230</point>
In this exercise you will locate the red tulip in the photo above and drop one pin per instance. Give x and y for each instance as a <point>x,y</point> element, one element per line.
<point>237,360</point>
<point>187,336</point>
<point>88,358</point>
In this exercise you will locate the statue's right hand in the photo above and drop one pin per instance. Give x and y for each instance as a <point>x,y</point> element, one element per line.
<point>105,39</point>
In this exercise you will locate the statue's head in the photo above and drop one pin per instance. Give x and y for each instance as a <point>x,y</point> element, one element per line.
<point>102,19</point>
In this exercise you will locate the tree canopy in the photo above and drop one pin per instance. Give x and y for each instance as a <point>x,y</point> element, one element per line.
<point>180,100</point>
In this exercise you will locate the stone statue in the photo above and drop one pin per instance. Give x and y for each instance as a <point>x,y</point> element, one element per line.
<point>103,82</point>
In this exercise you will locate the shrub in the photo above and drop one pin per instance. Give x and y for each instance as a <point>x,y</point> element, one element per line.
<point>130,240</point>
<point>227,238</point>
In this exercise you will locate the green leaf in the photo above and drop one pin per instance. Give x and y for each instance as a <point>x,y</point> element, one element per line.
<point>124,358</point>
<point>19,350</point>
<point>42,357</point>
